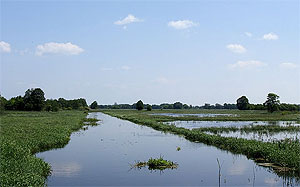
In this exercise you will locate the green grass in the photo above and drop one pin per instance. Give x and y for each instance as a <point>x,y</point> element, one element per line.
<point>157,164</point>
<point>22,134</point>
<point>282,154</point>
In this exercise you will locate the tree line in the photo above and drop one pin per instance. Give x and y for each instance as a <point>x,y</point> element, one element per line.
<point>272,104</point>
<point>34,100</point>
<point>176,105</point>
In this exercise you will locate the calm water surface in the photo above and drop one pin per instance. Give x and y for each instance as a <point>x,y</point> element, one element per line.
<point>102,155</point>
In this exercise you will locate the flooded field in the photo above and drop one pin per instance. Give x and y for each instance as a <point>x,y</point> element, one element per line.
<point>104,154</point>
<point>199,124</point>
<point>266,137</point>
<point>194,115</point>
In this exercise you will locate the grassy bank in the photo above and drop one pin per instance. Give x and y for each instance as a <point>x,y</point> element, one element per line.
<point>22,134</point>
<point>286,154</point>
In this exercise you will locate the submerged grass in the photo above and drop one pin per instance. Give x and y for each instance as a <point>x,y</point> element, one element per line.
<point>90,121</point>
<point>263,129</point>
<point>22,134</point>
<point>283,154</point>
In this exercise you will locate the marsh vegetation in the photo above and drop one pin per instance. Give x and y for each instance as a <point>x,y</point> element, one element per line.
<point>156,164</point>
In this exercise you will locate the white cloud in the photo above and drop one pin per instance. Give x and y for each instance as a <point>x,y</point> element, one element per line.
<point>4,47</point>
<point>129,19</point>
<point>182,24</point>
<point>250,64</point>
<point>249,34</point>
<point>236,48</point>
<point>58,48</point>
<point>270,36</point>
<point>125,68</point>
<point>288,65</point>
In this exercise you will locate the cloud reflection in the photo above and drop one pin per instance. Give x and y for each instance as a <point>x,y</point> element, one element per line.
<point>65,169</point>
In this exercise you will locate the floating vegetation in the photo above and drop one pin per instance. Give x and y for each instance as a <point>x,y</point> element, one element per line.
<point>178,148</point>
<point>90,121</point>
<point>156,164</point>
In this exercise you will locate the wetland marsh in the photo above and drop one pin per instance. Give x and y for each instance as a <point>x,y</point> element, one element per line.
<point>103,155</point>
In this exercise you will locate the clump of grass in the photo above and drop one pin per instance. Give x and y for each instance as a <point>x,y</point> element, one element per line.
<point>157,164</point>
<point>160,163</point>
<point>90,121</point>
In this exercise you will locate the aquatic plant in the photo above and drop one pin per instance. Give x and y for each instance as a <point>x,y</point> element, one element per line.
<point>90,121</point>
<point>157,164</point>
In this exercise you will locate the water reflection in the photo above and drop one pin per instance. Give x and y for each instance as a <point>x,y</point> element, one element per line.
<point>65,169</point>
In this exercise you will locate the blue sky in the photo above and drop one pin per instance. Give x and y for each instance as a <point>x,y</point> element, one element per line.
<point>161,51</point>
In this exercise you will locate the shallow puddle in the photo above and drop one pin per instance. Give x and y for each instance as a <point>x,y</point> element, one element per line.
<point>102,155</point>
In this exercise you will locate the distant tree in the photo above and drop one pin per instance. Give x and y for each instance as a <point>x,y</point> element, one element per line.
<point>289,107</point>
<point>94,105</point>
<point>206,106</point>
<point>272,102</point>
<point>34,99</point>
<point>218,106</point>
<point>229,106</point>
<point>15,103</point>
<point>140,105</point>
<point>3,102</point>
<point>243,103</point>
<point>149,107</point>
<point>52,105</point>
<point>257,107</point>
<point>185,106</point>
<point>177,105</point>
<point>48,107</point>
<point>166,106</point>
<point>155,106</point>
